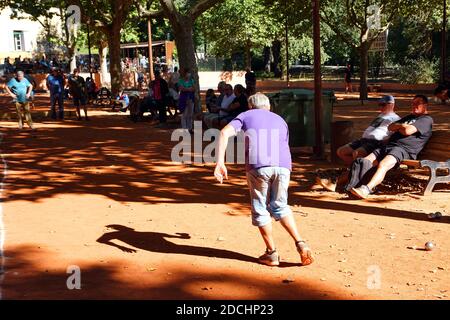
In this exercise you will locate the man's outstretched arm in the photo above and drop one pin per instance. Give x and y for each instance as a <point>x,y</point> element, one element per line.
<point>221,170</point>
<point>107,239</point>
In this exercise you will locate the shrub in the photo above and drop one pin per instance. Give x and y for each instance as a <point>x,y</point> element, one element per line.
<point>419,71</point>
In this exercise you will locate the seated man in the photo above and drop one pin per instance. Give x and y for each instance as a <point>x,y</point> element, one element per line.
<point>239,105</point>
<point>214,107</point>
<point>123,100</point>
<point>441,92</point>
<point>411,134</point>
<point>227,100</point>
<point>375,136</point>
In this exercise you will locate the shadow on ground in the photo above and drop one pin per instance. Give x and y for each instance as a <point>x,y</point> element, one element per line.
<point>27,278</point>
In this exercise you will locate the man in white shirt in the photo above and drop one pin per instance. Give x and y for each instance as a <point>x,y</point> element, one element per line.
<point>174,78</point>
<point>227,100</point>
<point>374,136</point>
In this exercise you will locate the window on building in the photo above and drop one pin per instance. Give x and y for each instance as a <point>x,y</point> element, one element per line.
<point>18,41</point>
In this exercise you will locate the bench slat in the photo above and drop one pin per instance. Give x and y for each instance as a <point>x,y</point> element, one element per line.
<point>412,163</point>
<point>438,148</point>
<point>435,155</point>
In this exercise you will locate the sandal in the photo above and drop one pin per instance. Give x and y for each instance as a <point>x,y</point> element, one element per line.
<point>305,252</point>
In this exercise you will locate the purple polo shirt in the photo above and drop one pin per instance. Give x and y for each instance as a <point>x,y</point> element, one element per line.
<point>267,139</point>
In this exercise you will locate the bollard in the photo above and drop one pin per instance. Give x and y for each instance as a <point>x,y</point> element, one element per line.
<point>341,134</point>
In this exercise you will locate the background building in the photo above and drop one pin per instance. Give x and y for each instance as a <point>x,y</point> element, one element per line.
<point>19,36</point>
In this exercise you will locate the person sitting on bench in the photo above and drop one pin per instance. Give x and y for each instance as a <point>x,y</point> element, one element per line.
<point>411,134</point>
<point>375,136</point>
<point>441,92</point>
<point>123,100</point>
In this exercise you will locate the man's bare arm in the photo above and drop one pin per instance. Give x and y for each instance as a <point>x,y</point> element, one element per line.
<point>8,90</point>
<point>221,171</point>
<point>403,128</point>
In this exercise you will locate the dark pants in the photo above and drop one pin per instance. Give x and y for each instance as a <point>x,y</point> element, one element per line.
<point>162,110</point>
<point>361,171</point>
<point>57,98</point>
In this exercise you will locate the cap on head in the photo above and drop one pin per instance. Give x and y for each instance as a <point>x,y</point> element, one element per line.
<point>387,99</point>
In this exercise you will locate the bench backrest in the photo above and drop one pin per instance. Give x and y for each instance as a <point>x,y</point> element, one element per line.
<point>438,147</point>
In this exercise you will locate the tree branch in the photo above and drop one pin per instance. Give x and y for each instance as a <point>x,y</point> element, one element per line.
<point>202,6</point>
<point>170,11</point>
<point>336,30</point>
<point>146,12</point>
<point>352,14</point>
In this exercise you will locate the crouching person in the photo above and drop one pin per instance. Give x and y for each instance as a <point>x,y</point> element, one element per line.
<point>268,166</point>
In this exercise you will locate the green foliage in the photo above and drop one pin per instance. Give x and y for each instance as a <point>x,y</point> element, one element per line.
<point>419,71</point>
<point>238,24</point>
<point>405,42</point>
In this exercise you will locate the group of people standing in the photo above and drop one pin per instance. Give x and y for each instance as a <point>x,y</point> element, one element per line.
<point>21,86</point>
<point>57,82</point>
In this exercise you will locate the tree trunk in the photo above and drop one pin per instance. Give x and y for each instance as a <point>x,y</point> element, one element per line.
<point>72,57</point>
<point>248,55</point>
<point>102,50</point>
<point>267,60</point>
<point>114,57</point>
<point>183,32</point>
<point>363,70</point>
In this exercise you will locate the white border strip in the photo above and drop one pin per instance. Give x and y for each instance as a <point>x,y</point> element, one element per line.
<point>2,225</point>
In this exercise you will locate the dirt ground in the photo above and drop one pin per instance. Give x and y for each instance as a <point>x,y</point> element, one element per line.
<point>104,196</point>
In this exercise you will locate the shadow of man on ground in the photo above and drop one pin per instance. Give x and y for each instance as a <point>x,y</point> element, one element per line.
<point>157,242</point>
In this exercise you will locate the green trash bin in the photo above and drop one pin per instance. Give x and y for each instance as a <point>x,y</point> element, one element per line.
<point>296,107</point>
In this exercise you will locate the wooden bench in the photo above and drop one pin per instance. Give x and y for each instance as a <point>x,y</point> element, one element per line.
<point>435,157</point>
<point>374,87</point>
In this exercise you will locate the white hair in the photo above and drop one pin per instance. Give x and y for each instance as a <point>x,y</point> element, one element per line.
<point>259,101</point>
<point>20,73</point>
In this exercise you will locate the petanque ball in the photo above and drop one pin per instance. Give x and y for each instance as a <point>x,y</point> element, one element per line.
<point>429,246</point>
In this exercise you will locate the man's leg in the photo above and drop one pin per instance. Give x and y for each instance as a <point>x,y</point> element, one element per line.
<point>385,165</point>
<point>84,104</point>
<point>26,108</point>
<point>53,98</point>
<point>280,210</point>
<point>162,111</point>
<point>61,106</point>
<point>189,114</point>
<point>266,233</point>
<point>19,114</point>
<point>288,223</point>
<point>346,154</point>
<point>76,103</point>
<point>258,184</point>
<point>358,170</point>
<point>359,153</point>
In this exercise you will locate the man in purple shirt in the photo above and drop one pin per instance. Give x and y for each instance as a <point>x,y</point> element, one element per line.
<point>268,165</point>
